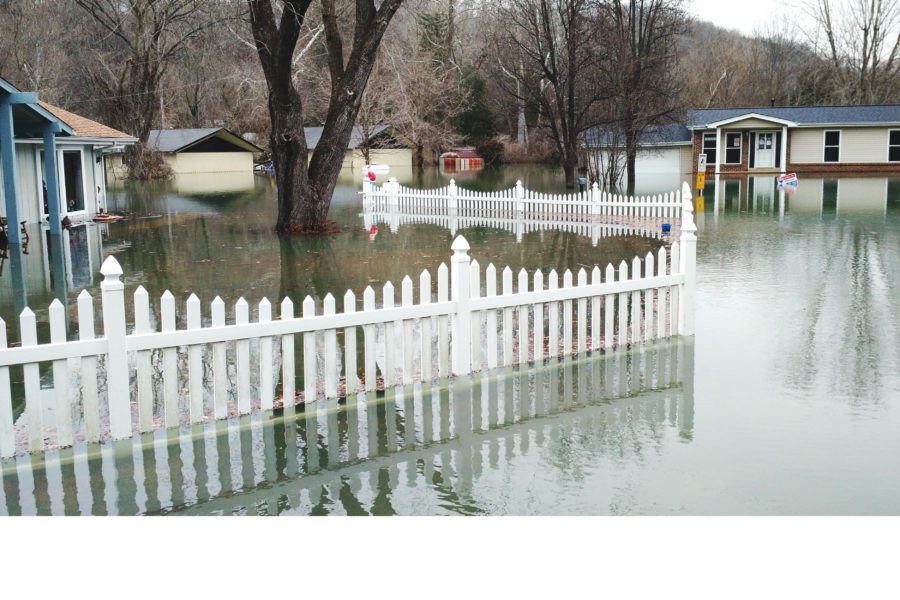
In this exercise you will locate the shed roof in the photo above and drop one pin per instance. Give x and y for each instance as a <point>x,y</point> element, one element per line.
<point>654,135</point>
<point>314,134</point>
<point>176,140</point>
<point>803,115</point>
<point>84,127</point>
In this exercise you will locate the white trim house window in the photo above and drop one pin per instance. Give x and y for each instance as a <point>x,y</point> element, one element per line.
<point>894,145</point>
<point>709,148</point>
<point>832,152</point>
<point>733,148</point>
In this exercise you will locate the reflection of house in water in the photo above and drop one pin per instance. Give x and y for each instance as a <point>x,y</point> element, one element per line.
<point>49,267</point>
<point>761,194</point>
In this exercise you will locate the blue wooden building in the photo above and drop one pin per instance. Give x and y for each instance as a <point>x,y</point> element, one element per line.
<point>52,162</point>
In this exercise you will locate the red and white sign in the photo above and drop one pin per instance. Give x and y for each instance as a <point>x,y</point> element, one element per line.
<point>788,180</point>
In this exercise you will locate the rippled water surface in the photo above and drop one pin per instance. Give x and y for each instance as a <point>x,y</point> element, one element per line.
<point>787,400</point>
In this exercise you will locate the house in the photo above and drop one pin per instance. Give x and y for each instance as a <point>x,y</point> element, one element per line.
<point>206,150</point>
<point>663,155</point>
<point>52,162</point>
<point>384,148</point>
<point>804,139</point>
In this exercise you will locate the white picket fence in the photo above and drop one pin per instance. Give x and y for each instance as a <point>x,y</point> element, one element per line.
<point>139,378</point>
<point>517,202</point>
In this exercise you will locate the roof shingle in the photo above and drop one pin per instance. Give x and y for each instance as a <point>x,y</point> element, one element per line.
<point>83,126</point>
<point>803,115</point>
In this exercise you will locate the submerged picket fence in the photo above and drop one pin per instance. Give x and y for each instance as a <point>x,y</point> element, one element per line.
<point>517,202</point>
<point>142,377</point>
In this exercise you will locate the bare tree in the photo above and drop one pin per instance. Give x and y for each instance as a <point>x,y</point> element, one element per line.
<point>639,39</point>
<point>305,189</point>
<point>861,40</point>
<point>556,43</point>
<point>149,33</point>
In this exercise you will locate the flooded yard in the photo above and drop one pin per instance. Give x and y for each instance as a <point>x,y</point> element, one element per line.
<point>786,401</point>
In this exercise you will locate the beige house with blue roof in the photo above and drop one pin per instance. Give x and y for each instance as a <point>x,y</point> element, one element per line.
<point>804,139</point>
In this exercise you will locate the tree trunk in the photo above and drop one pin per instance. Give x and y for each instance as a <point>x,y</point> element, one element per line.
<point>420,156</point>
<point>630,159</point>
<point>305,186</point>
<point>569,166</point>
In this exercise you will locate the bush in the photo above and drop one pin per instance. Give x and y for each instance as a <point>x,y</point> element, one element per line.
<point>491,150</point>
<point>145,164</point>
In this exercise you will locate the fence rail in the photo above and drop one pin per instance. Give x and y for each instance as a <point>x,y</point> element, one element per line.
<point>146,376</point>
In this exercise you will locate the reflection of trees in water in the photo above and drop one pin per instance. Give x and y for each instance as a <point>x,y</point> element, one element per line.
<point>847,339</point>
<point>351,456</point>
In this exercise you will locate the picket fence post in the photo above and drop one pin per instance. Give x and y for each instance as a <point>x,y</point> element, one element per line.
<point>461,327</point>
<point>595,201</point>
<point>112,291</point>
<point>452,202</point>
<point>688,264</point>
<point>520,197</point>
<point>393,194</point>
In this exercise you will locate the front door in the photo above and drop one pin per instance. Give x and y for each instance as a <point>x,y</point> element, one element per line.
<point>765,150</point>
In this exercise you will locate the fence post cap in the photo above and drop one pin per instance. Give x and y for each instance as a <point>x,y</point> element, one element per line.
<point>460,245</point>
<point>111,268</point>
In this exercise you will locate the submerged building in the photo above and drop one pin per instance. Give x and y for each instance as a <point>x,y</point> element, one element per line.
<point>802,139</point>
<point>52,162</point>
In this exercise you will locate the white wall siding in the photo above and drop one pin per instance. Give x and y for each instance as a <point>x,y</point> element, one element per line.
<point>27,184</point>
<point>807,146</point>
<point>858,145</point>
<point>210,162</point>
<point>864,145</point>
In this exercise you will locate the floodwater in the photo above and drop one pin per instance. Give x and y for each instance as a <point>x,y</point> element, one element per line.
<point>786,401</point>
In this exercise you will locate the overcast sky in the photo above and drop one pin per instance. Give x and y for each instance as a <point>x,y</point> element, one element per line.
<point>743,15</point>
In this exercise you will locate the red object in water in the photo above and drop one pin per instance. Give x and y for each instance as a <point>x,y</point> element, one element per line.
<point>371,175</point>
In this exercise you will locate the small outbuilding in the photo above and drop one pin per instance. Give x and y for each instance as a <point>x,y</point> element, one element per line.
<point>206,150</point>
<point>461,159</point>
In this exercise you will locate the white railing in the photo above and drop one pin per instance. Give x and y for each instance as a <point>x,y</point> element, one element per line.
<point>140,378</point>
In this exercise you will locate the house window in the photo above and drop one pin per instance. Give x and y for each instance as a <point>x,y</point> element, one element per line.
<point>832,146</point>
<point>894,145</point>
<point>733,148</point>
<point>709,148</point>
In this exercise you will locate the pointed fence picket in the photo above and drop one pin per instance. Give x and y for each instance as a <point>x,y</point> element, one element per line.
<point>463,328</point>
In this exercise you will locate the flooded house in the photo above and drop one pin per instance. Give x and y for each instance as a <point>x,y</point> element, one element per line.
<point>53,162</point>
<point>383,147</point>
<point>204,150</point>
<point>762,140</point>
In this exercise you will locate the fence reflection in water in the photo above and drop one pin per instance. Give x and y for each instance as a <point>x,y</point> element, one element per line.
<point>349,457</point>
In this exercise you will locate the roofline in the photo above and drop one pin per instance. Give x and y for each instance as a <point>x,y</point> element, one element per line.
<point>817,125</point>
<point>793,107</point>
<point>208,136</point>
<point>10,88</point>
<point>82,140</point>
<point>645,145</point>
<point>751,115</point>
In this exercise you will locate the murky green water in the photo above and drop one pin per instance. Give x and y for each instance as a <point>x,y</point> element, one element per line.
<point>786,402</point>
